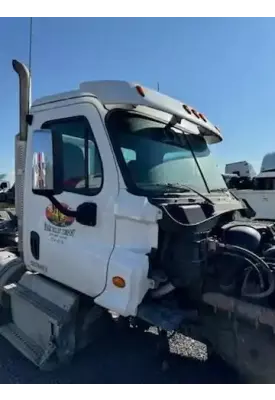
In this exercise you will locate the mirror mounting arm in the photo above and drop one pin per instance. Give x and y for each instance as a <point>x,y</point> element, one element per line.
<point>63,210</point>
<point>85,214</point>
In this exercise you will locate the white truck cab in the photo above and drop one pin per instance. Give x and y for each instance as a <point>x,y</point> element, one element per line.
<point>120,208</point>
<point>115,153</point>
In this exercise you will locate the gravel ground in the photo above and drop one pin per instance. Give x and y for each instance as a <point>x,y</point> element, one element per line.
<point>123,357</point>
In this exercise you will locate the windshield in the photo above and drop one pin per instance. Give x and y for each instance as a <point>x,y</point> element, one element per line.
<point>154,156</point>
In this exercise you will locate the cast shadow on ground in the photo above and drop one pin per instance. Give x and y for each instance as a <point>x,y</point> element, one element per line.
<point>119,357</point>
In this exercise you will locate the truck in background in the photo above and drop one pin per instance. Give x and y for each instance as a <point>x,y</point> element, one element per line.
<point>241,168</point>
<point>257,189</point>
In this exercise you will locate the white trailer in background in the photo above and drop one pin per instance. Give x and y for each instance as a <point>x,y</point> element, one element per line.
<point>259,191</point>
<point>240,168</point>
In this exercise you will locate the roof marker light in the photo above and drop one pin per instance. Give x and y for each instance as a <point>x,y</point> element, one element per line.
<point>140,91</point>
<point>202,117</point>
<point>187,109</point>
<point>195,113</point>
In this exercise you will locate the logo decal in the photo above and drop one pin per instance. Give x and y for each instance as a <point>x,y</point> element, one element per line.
<point>55,217</point>
<point>58,226</point>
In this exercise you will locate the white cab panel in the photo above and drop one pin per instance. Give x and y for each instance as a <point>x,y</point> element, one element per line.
<point>73,254</point>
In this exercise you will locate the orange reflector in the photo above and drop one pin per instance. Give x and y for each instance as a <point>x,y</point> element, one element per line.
<point>187,109</point>
<point>119,282</point>
<point>202,117</point>
<point>140,91</point>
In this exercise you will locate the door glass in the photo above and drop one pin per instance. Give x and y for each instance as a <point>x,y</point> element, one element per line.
<point>83,172</point>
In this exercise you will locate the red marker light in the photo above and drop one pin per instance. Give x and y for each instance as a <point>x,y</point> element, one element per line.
<point>140,91</point>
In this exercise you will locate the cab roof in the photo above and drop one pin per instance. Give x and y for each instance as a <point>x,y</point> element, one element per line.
<point>115,92</point>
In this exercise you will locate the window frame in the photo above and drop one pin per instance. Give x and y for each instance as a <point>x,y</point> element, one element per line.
<point>89,135</point>
<point>131,187</point>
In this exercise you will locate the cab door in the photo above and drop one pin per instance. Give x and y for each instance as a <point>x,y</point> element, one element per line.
<point>58,246</point>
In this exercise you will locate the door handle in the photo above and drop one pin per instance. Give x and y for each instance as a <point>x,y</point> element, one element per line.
<point>35,244</point>
<point>86,214</point>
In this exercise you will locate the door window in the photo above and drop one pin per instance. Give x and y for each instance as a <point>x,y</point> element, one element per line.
<point>83,171</point>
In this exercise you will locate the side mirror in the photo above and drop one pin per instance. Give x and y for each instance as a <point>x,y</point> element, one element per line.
<point>3,185</point>
<point>47,163</point>
<point>48,175</point>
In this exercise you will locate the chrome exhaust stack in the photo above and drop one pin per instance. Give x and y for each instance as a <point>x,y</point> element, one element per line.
<point>24,96</point>
<point>20,145</point>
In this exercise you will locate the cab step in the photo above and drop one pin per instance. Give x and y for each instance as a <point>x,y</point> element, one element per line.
<point>22,342</point>
<point>40,320</point>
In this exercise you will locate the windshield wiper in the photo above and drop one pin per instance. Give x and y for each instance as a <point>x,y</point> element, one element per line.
<point>182,188</point>
<point>172,189</point>
<point>188,188</point>
<point>219,190</point>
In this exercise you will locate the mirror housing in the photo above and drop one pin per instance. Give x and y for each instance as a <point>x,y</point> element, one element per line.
<point>4,185</point>
<point>47,163</point>
<point>48,175</point>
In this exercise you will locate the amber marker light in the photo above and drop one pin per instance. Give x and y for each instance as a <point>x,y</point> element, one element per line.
<point>202,117</point>
<point>118,282</point>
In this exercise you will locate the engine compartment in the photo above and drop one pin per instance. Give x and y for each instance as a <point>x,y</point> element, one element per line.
<point>221,265</point>
<point>200,251</point>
